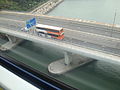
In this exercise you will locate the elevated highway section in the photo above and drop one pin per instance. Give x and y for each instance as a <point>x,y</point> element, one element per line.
<point>79,25</point>
<point>70,47</point>
<point>73,38</point>
<point>89,44</point>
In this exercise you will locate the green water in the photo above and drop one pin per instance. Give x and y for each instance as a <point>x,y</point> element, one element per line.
<point>98,10</point>
<point>97,75</point>
<point>2,41</point>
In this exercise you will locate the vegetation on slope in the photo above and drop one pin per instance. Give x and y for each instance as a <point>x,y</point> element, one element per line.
<point>20,5</point>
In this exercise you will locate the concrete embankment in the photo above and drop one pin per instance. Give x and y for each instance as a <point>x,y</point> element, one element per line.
<point>46,7</point>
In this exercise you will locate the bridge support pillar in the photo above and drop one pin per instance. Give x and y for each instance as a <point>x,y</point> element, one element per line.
<point>12,41</point>
<point>69,62</point>
<point>68,58</point>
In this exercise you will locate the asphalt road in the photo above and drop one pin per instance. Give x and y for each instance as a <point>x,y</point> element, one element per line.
<point>66,46</point>
<point>79,38</point>
<point>74,25</point>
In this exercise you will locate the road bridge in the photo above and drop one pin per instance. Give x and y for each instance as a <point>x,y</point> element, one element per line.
<point>79,25</point>
<point>79,41</point>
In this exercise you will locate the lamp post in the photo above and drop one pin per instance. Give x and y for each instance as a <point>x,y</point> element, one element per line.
<point>113,23</point>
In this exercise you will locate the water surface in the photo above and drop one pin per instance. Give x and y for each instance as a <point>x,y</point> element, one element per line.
<point>98,10</point>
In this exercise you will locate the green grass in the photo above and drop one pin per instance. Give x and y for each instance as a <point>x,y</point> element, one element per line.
<point>20,5</point>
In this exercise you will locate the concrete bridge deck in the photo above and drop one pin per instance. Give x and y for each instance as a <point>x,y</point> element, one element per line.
<point>66,46</point>
<point>101,42</point>
<point>79,25</point>
<point>87,39</point>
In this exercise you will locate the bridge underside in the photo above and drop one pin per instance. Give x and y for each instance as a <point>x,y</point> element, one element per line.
<point>69,62</point>
<point>12,42</point>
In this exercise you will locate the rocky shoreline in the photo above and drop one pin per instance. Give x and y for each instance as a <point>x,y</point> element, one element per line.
<point>46,7</point>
